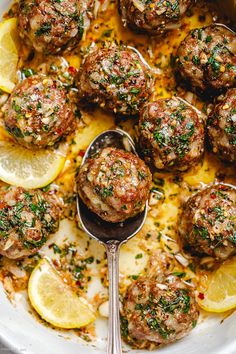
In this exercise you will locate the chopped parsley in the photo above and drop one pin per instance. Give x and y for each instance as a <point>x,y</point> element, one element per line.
<point>196,60</point>
<point>44,29</point>
<point>106,192</point>
<point>201,231</point>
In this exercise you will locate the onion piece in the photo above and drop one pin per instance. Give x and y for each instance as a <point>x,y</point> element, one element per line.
<point>162,286</point>
<point>8,244</point>
<point>104,309</point>
<point>96,8</point>
<point>19,273</point>
<point>181,259</point>
<point>140,6</point>
<point>104,6</point>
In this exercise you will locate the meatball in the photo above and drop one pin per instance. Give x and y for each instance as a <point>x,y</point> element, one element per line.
<point>222,127</point>
<point>114,184</point>
<point>154,16</point>
<point>206,58</point>
<point>51,25</point>
<point>207,225</point>
<point>157,313</point>
<point>38,112</point>
<point>171,134</point>
<point>116,79</point>
<point>28,217</point>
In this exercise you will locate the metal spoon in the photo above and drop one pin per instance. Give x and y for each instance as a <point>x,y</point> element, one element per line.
<point>111,235</point>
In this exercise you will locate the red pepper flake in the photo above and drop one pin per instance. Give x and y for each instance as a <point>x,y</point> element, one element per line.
<point>54,85</point>
<point>221,187</point>
<point>201,296</point>
<point>2,205</point>
<point>72,70</point>
<point>213,196</point>
<point>81,153</point>
<point>56,263</point>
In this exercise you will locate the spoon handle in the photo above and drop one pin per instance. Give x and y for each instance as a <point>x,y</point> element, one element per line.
<point>114,338</point>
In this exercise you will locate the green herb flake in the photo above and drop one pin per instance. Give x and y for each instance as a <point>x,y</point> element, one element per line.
<point>44,29</point>
<point>208,39</point>
<point>196,60</point>
<point>179,274</point>
<point>56,249</point>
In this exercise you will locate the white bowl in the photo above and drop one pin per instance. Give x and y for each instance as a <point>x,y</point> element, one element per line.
<point>22,333</point>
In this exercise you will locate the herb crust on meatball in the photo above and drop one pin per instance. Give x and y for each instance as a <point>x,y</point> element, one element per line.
<point>206,58</point>
<point>54,25</point>
<point>221,127</point>
<point>207,225</point>
<point>27,218</point>
<point>157,313</point>
<point>153,16</point>
<point>114,184</point>
<point>38,112</point>
<point>171,134</point>
<point>116,79</point>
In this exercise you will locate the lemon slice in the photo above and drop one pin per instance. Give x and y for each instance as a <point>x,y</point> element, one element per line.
<point>29,168</point>
<point>220,289</point>
<point>55,301</point>
<point>9,54</point>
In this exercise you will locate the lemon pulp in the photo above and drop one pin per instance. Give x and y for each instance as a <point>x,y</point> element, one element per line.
<point>55,301</point>
<point>9,54</point>
<point>220,289</point>
<point>29,168</point>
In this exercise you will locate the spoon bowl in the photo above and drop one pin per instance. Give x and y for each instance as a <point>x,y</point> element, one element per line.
<point>111,235</point>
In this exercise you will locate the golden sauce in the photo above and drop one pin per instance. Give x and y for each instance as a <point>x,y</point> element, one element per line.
<point>139,255</point>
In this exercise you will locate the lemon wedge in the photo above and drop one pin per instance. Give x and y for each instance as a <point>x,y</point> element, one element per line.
<point>29,168</point>
<point>55,301</point>
<point>220,289</point>
<point>9,54</point>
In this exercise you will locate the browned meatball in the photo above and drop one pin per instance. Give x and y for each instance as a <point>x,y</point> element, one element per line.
<point>27,218</point>
<point>114,184</point>
<point>153,16</point>
<point>207,225</point>
<point>222,127</point>
<point>207,58</point>
<point>38,112</point>
<point>157,313</point>
<point>116,79</point>
<point>171,134</point>
<point>53,25</point>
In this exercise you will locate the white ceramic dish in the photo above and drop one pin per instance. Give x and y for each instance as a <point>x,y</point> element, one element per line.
<point>20,332</point>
